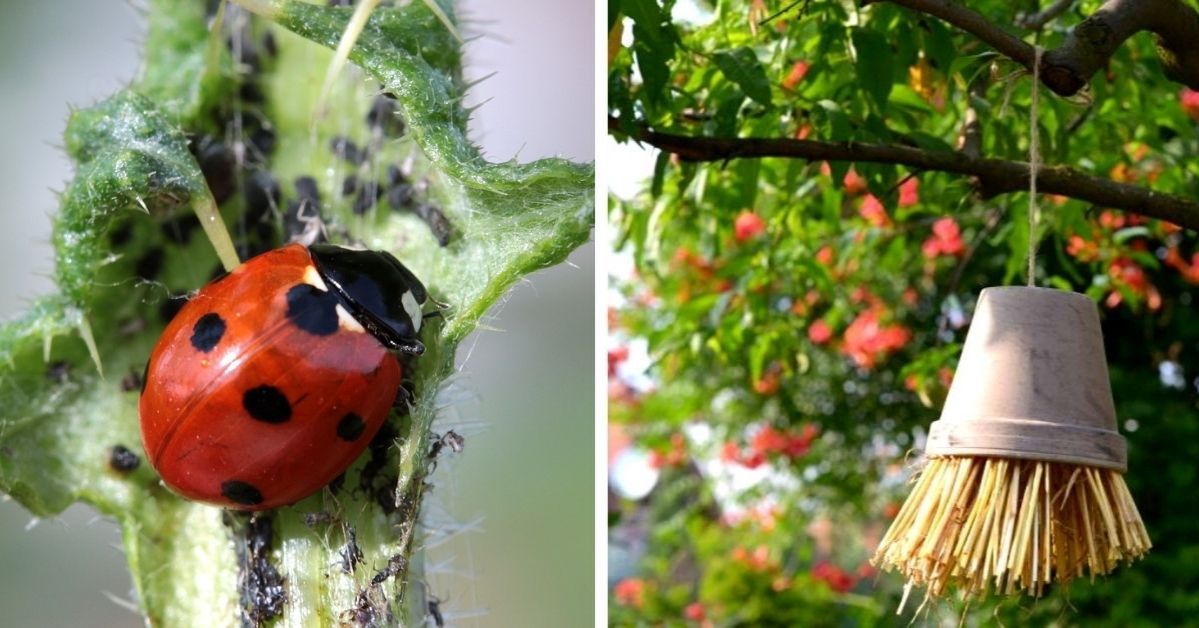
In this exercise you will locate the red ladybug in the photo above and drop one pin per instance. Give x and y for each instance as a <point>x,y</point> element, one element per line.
<point>273,379</point>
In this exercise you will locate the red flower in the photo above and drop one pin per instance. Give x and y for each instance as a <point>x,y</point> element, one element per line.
<point>825,256</point>
<point>819,332</point>
<point>797,446</point>
<point>630,592</point>
<point>853,184</point>
<point>730,452</point>
<point>769,382</point>
<point>1081,249</point>
<point>748,225</point>
<point>867,340</point>
<point>1189,99</point>
<point>695,612</point>
<point>674,456</point>
<point>1109,219</point>
<point>833,576</point>
<point>866,571</point>
<point>768,440</point>
<point>945,240</point>
<point>1189,271</point>
<point>909,192</point>
<point>615,358</point>
<point>874,212</point>
<point>798,70</point>
<point>753,461</point>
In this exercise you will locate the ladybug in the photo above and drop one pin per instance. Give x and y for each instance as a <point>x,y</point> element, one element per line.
<point>272,379</point>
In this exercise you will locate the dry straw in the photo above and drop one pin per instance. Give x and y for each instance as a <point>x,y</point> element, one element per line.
<point>1024,482</point>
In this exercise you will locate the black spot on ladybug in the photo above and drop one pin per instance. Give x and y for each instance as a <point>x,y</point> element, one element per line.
<point>384,116</point>
<point>132,381</point>
<point>145,372</point>
<point>312,309</point>
<point>267,404</point>
<point>170,307</point>
<point>368,197</point>
<point>240,492</point>
<point>207,332</point>
<point>150,264</point>
<point>346,149</point>
<point>350,427</point>
<point>58,371</point>
<point>121,459</point>
<point>121,235</point>
<point>349,186</point>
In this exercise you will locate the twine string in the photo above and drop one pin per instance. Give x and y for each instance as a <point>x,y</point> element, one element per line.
<point>1034,159</point>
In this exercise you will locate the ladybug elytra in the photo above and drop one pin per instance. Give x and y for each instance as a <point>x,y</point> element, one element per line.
<point>272,379</point>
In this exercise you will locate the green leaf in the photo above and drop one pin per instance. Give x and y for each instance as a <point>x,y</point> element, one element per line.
<point>873,64</point>
<point>741,66</point>
<point>653,44</point>
<point>130,203</point>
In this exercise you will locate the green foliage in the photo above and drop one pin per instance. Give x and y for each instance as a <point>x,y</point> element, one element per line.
<point>795,365</point>
<point>124,247</point>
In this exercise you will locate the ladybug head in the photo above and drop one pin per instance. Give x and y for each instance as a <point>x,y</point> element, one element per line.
<point>381,293</point>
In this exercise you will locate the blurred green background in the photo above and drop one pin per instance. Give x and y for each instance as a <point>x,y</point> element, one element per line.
<point>525,393</point>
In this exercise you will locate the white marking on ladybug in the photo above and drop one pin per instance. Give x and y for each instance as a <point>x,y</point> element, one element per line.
<point>347,322</point>
<point>412,308</point>
<point>312,277</point>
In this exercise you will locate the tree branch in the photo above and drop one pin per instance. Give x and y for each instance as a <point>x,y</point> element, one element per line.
<point>1067,68</point>
<point>992,176</point>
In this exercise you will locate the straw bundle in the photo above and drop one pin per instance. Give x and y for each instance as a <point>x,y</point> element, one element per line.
<point>1011,525</point>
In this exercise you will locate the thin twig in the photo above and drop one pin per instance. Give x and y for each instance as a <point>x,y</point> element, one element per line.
<point>1037,21</point>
